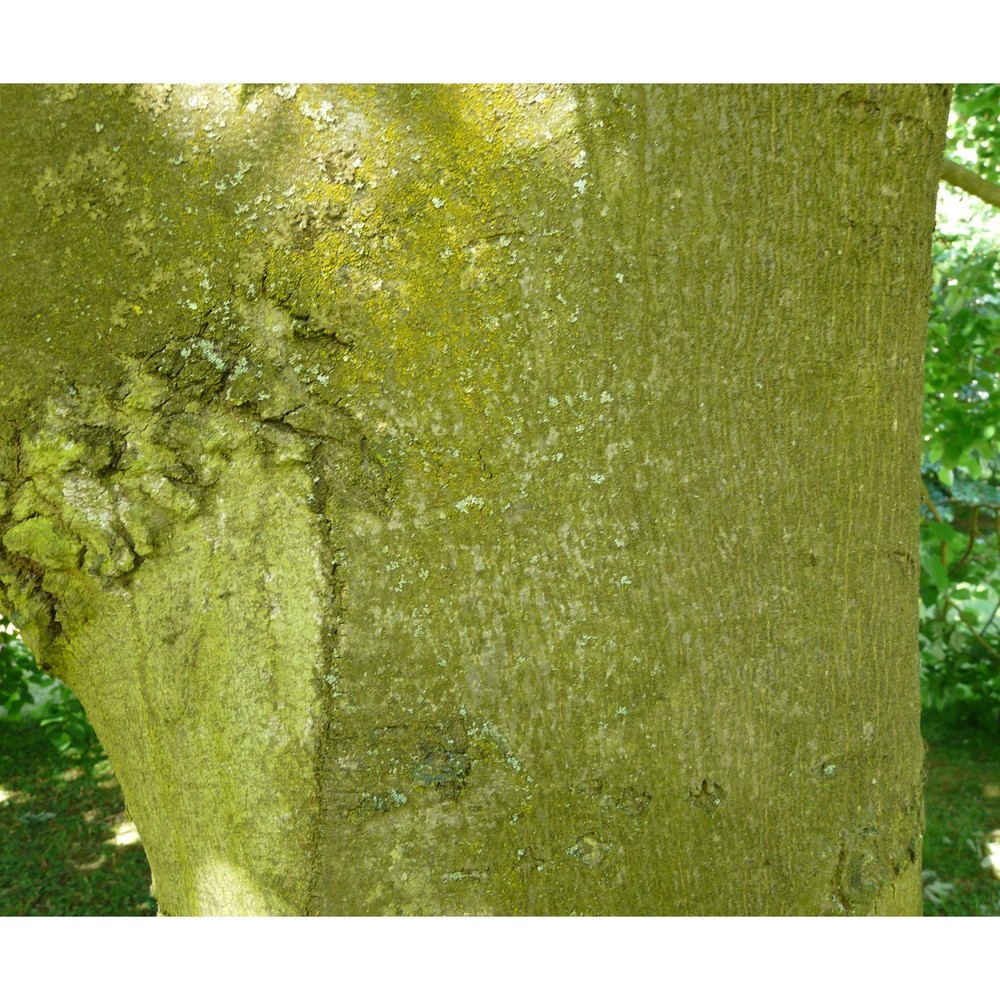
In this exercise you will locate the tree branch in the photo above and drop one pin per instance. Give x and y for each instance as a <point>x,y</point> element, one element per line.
<point>961,177</point>
<point>931,506</point>
<point>972,540</point>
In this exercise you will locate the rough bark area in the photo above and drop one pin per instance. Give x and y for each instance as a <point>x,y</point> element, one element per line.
<point>479,500</point>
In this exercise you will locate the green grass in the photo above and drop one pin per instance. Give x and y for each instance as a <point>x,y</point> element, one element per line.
<point>59,817</point>
<point>962,804</point>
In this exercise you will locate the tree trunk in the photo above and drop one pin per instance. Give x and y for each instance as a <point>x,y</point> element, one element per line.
<point>479,499</point>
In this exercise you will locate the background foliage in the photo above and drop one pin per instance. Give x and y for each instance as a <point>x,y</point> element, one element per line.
<point>27,693</point>
<point>974,128</point>
<point>960,532</point>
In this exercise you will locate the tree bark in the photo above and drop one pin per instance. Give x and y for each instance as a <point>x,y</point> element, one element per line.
<point>457,500</point>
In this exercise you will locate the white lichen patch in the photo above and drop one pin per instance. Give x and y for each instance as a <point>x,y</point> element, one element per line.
<point>470,501</point>
<point>207,348</point>
<point>321,115</point>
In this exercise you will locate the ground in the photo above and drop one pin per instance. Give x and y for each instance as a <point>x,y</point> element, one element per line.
<point>66,847</point>
<point>962,842</point>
